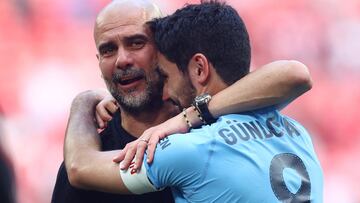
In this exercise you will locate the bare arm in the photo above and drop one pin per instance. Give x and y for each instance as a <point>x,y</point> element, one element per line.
<point>275,84</point>
<point>87,166</point>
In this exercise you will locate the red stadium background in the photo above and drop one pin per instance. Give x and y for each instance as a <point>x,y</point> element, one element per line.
<point>48,55</point>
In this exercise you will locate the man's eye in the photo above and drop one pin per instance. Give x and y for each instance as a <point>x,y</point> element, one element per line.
<point>137,44</point>
<point>107,51</point>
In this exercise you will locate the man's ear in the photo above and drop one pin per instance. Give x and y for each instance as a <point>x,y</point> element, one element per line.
<point>97,56</point>
<point>199,69</point>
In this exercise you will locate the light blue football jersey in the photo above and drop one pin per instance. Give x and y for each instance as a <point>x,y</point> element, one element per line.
<point>259,156</point>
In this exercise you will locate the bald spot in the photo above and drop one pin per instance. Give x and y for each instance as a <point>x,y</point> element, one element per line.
<point>135,11</point>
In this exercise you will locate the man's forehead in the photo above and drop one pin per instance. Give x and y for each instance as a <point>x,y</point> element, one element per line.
<point>124,32</point>
<point>118,26</point>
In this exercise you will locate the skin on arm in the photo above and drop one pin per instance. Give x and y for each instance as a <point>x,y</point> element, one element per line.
<point>281,82</point>
<point>87,166</point>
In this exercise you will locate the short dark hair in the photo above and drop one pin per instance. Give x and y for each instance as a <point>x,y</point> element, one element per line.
<point>211,28</point>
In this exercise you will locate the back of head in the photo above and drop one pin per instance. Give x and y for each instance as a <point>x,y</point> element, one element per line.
<point>211,28</point>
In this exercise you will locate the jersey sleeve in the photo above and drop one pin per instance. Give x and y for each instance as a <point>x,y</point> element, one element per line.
<point>178,160</point>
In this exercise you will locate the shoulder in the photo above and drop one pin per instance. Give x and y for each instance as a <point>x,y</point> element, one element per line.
<point>184,144</point>
<point>176,158</point>
<point>177,146</point>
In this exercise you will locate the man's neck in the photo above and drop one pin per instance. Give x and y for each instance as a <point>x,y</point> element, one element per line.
<point>136,124</point>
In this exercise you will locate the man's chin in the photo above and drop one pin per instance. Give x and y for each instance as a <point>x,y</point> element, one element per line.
<point>130,95</point>
<point>133,101</point>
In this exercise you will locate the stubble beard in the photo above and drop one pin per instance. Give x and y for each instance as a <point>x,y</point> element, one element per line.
<point>135,101</point>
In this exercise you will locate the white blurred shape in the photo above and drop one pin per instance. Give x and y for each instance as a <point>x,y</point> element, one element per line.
<point>48,91</point>
<point>344,45</point>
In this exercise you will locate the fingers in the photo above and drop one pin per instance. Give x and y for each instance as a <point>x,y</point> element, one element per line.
<point>102,112</point>
<point>121,155</point>
<point>151,146</point>
<point>102,116</point>
<point>141,147</point>
<point>101,124</point>
<point>130,153</point>
<point>111,106</point>
<point>104,109</point>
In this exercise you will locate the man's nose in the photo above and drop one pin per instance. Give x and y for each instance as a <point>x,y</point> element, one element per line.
<point>124,59</point>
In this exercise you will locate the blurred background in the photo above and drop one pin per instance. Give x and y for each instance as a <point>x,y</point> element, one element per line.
<point>47,56</point>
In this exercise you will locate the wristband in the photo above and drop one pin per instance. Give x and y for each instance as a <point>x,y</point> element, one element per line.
<point>137,182</point>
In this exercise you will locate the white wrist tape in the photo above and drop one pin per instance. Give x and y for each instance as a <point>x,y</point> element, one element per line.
<point>137,182</point>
